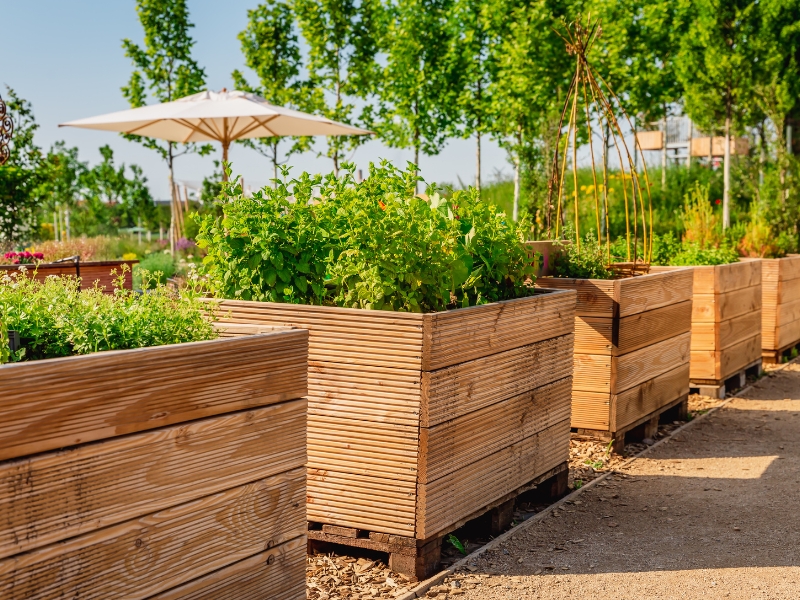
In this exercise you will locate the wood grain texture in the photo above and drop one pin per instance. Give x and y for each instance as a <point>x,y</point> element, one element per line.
<point>462,389</point>
<point>642,365</point>
<point>146,556</point>
<point>377,380</point>
<point>719,279</point>
<point>49,497</point>
<point>780,303</point>
<point>715,367</point>
<point>275,574</point>
<point>456,444</point>
<point>649,396</point>
<point>716,308</point>
<point>654,290</point>
<point>465,491</point>
<point>591,410</point>
<point>60,402</point>
<point>595,297</point>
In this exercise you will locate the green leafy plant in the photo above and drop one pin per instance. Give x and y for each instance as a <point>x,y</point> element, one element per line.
<point>577,484</point>
<point>373,244</point>
<point>56,318</point>
<point>587,261</point>
<point>153,270</point>
<point>456,543</point>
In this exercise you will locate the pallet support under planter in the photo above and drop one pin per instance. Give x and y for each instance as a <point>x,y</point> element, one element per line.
<point>418,559</point>
<point>717,389</point>
<point>643,428</point>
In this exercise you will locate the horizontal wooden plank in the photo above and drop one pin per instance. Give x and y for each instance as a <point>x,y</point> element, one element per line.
<point>654,290</point>
<point>278,574</point>
<point>591,410</point>
<point>56,495</point>
<point>595,296</point>
<point>716,367</point>
<point>647,397</point>
<point>716,308</point>
<point>457,443</point>
<point>461,389</point>
<point>788,335</point>
<point>653,326</point>
<point>592,373</point>
<point>449,499</point>
<point>461,335</point>
<point>788,291</point>
<point>720,279</point>
<point>152,554</point>
<point>50,404</point>
<point>642,365</point>
<point>716,336</point>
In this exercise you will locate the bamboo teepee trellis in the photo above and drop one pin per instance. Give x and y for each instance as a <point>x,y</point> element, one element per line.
<point>600,102</point>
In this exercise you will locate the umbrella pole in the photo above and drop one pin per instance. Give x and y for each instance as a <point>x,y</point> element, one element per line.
<point>225,146</point>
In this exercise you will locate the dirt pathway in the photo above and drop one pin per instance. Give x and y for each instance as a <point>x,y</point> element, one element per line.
<point>713,513</point>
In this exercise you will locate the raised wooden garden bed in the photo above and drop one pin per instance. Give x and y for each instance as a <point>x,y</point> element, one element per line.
<point>165,472</point>
<point>780,306</point>
<point>631,356</point>
<point>726,324</point>
<point>89,272</point>
<point>417,422</point>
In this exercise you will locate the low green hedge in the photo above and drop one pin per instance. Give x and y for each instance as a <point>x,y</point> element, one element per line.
<point>56,318</point>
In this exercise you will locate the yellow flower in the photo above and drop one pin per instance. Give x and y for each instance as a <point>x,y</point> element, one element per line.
<point>129,256</point>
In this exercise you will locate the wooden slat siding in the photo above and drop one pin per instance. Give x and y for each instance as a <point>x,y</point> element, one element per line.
<point>647,292</point>
<point>709,336</point>
<point>780,302</point>
<point>719,279</point>
<point>592,373</point>
<point>637,367</point>
<point>60,402</point>
<point>722,364</point>
<point>595,297</point>
<point>596,334</point>
<point>466,334</point>
<point>56,495</point>
<point>379,394</point>
<point>467,490</point>
<point>649,396</point>
<point>458,443</point>
<point>591,410</point>
<point>461,389</point>
<point>91,272</point>
<point>143,557</point>
<point>275,574</point>
<point>715,308</point>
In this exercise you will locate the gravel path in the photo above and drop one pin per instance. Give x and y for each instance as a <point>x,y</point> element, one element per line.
<point>713,513</point>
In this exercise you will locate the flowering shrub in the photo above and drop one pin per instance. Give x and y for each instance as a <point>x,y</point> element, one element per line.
<point>23,258</point>
<point>372,244</point>
<point>56,318</point>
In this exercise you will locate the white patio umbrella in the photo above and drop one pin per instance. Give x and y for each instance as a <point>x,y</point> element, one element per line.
<point>216,117</point>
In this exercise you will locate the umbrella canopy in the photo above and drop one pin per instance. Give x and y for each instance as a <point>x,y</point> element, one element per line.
<point>215,116</point>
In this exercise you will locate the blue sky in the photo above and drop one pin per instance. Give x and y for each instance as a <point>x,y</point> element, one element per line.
<point>66,58</point>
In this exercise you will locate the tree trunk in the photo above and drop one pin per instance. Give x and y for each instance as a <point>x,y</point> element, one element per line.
<point>664,155</point>
<point>172,224</point>
<point>517,175</point>
<point>56,234</point>
<point>726,176</point>
<point>478,163</point>
<point>762,154</point>
<point>66,222</point>
<point>416,145</point>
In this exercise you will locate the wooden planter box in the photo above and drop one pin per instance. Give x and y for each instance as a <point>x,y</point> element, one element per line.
<point>90,272</point>
<point>780,306</point>
<point>631,357</point>
<point>726,323</point>
<point>165,472</point>
<point>418,422</point>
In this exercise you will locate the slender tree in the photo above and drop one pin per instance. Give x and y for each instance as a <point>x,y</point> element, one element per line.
<point>164,70</point>
<point>271,49</point>
<point>343,39</point>
<point>20,176</point>
<point>472,33</point>
<point>715,67</point>
<point>419,91</point>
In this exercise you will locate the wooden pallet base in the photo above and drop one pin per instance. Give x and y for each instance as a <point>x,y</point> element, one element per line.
<point>641,429</point>
<point>774,357</point>
<point>718,389</point>
<point>419,559</point>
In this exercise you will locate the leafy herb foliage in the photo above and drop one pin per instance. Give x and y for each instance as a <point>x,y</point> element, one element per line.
<point>373,244</point>
<point>587,262</point>
<point>56,318</point>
